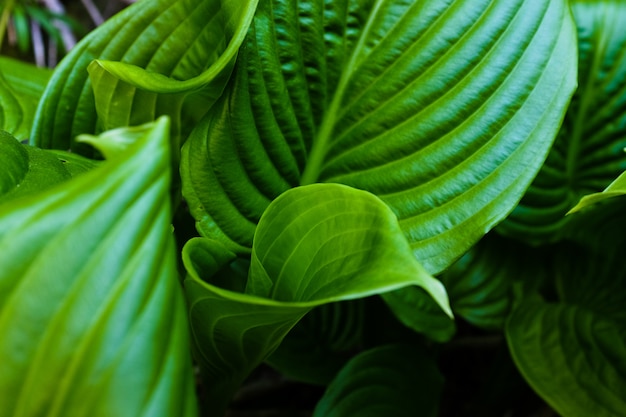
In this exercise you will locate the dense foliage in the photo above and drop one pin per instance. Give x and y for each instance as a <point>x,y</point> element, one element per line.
<point>373,184</point>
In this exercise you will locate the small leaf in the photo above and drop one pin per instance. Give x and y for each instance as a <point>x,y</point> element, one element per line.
<point>616,189</point>
<point>315,245</point>
<point>91,311</point>
<point>393,380</point>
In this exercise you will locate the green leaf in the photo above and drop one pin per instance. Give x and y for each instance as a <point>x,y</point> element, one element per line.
<point>91,311</point>
<point>589,152</point>
<point>321,343</point>
<point>315,245</point>
<point>480,283</point>
<point>393,380</point>
<point>572,356</point>
<point>21,86</point>
<point>445,110</point>
<point>616,189</point>
<point>150,58</point>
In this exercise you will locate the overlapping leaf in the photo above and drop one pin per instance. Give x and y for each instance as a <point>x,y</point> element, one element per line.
<point>589,152</point>
<point>314,245</point>
<point>91,312</point>
<point>21,87</point>
<point>151,57</point>
<point>443,109</point>
<point>391,380</point>
<point>27,170</point>
<point>616,189</point>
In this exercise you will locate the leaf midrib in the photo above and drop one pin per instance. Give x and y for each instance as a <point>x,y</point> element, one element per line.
<point>319,148</point>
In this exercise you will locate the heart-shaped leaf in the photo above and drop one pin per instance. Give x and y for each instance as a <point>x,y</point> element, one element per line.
<point>443,109</point>
<point>391,380</point>
<point>314,245</point>
<point>91,310</point>
<point>167,50</point>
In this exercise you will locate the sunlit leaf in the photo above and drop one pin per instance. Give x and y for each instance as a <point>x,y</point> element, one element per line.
<point>92,316</point>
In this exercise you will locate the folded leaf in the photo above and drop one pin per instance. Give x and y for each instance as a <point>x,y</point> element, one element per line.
<point>445,110</point>
<point>91,311</point>
<point>166,50</point>
<point>589,152</point>
<point>21,87</point>
<point>315,245</point>
<point>393,380</point>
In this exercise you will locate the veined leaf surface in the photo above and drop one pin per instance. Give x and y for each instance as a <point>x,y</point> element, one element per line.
<point>151,57</point>
<point>589,152</point>
<point>91,311</point>
<point>393,380</point>
<point>314,245</point>
<point>445,110</point>
<point>21,87</point>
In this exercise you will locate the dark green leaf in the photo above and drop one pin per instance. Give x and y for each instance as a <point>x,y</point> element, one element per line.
<point>387,381</point>
<point>92,317</point>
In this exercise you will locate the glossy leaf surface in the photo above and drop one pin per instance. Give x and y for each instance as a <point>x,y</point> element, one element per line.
<point>91,311</point>
<point>315,245</point>
<point>589,152</point>
<point>443,109</point>
<point>387,381</point>
<point>151,56</point>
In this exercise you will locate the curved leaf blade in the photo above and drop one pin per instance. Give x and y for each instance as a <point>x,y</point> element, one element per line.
<point>91,311</point>
<point>445,110</point>
<point>158,68</point>
<point>589,151</point>
<point>315,245</point>
<point>390,380</point>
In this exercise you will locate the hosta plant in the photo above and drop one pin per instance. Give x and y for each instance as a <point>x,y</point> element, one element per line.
<point>348,191</point>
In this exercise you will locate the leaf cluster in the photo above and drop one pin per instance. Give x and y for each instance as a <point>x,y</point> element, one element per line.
<point>355,192</point>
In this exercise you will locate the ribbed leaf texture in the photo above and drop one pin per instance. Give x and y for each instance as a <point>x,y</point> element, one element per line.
<point>393,380</point>
<point>589,152</point>
<point>314,245</point>
<point>92,315</point>
<point>151,57</point>
<point>445,110</point>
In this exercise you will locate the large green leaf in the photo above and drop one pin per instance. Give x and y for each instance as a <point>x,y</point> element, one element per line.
<point>92,315</point>
<point>21,87</point>
<point>393,380</point>
<point>443,109</point>
<point>314,245</point>
<point>150,58</point>
<point>589,152</point>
